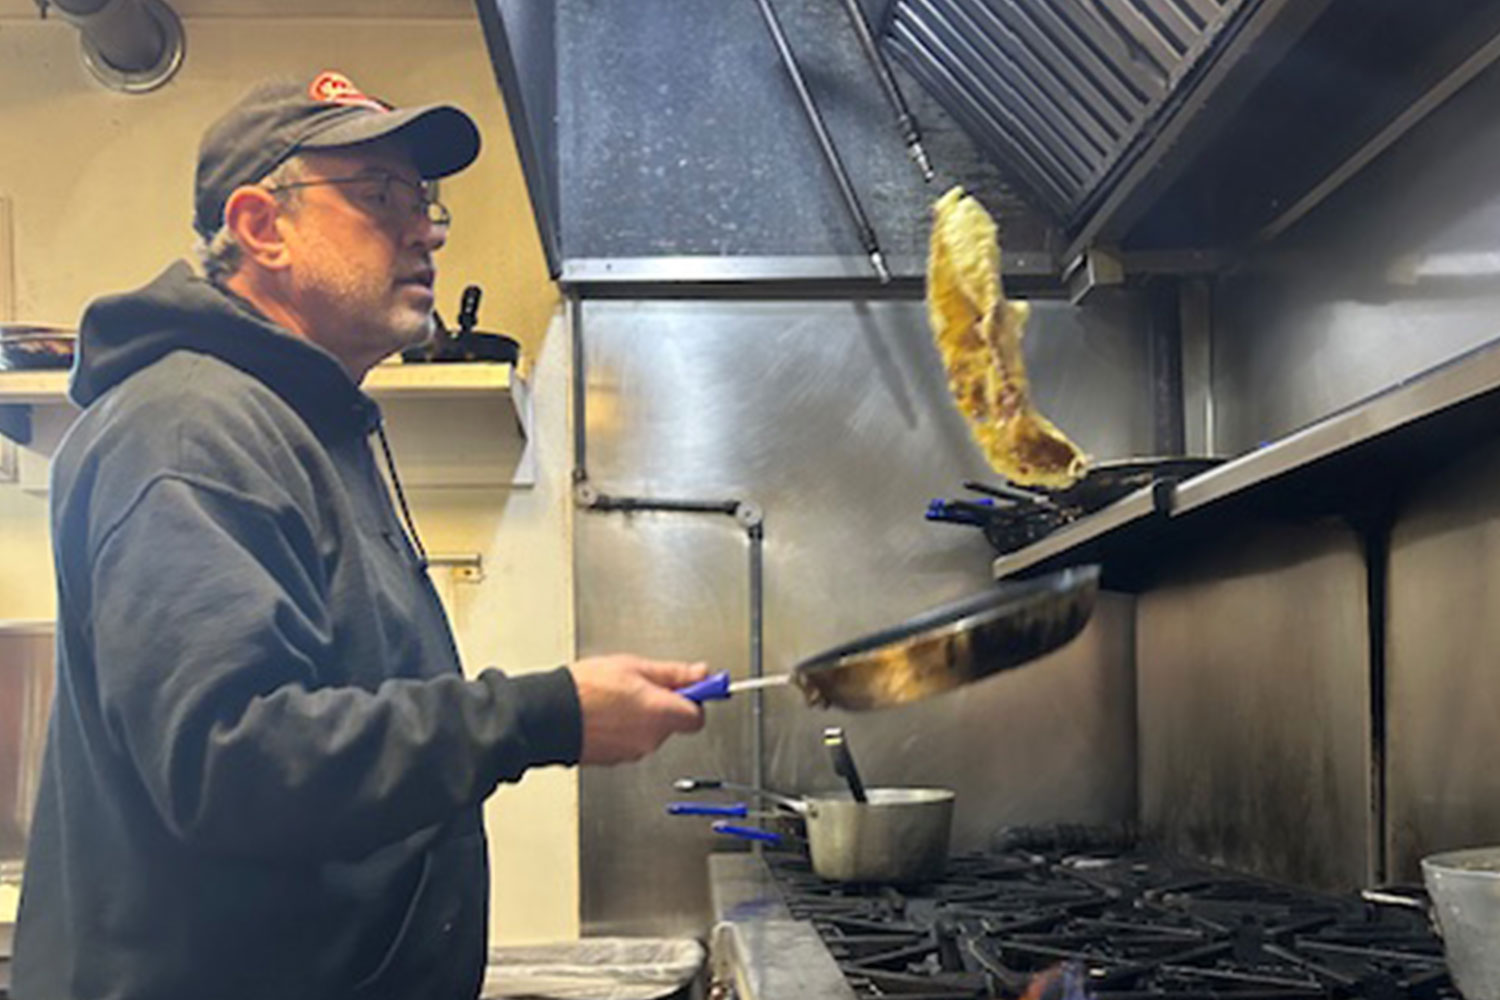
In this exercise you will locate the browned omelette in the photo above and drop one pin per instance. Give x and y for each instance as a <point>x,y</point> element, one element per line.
<point>978,331</point>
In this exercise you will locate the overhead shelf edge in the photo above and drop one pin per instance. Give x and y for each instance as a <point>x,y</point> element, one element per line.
<point>1118,515</point>
<point>1426,419</point>
<point>1421,397</point>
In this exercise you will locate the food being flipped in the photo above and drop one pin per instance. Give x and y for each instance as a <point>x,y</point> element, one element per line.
<point>978,332</point>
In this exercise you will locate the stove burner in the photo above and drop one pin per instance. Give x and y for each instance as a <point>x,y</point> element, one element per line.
<point>1113,925</point>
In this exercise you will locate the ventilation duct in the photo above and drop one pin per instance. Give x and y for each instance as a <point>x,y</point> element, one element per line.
<point>128,45</point>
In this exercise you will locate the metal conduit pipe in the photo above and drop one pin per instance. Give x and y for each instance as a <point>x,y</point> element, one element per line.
<point>132,46</point>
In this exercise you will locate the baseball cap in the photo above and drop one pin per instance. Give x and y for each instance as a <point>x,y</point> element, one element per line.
<point>282,117</point>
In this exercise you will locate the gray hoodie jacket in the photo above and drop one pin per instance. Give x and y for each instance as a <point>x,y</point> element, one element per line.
<point>264,769</point>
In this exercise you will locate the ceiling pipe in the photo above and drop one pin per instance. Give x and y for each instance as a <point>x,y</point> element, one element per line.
<point>132,46</point>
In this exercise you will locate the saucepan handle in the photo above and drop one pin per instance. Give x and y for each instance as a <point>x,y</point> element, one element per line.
<point>1398,896</point>
<point>688,785</point>
<point>747,832</point>
<point>739,809</point>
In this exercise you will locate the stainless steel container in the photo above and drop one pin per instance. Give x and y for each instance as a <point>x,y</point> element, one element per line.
<point>900,835</point>
<point>1465,891</point>
<point>26,671</point>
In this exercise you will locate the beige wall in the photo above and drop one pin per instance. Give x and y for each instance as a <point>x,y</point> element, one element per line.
<point>100,185</point>
<point>520,618</point>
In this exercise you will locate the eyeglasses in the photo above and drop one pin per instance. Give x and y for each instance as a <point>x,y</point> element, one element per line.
<point>386,196</point>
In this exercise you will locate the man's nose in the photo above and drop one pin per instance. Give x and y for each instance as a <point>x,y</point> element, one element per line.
<point>428,234</point>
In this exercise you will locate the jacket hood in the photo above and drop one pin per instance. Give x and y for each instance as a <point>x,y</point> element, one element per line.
<point>122,334</point>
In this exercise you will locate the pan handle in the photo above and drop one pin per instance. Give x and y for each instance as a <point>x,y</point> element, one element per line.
<point>714,687</point>
<point>1013,493</point>
<point>843,762</point>
<point>738,809</point>
<point>747,833</point>
<point>797,806</point>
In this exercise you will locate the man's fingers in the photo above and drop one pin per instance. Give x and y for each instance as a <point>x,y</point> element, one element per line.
<point>682,716</point>
<point>630,705</point>
<point>671,673</point>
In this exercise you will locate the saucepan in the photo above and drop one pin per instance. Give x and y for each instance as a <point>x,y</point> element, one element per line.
<point>900,835</point>
<point>1006,626</point>
<point>888,835</point>
<point>1464,889</point>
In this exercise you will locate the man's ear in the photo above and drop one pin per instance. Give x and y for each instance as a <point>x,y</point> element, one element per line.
<point>251,213</point>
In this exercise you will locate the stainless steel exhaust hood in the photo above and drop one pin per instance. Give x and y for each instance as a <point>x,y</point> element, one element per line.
<point>1172,133</point>
<point>1175,125</point>
<point>1057,89</point>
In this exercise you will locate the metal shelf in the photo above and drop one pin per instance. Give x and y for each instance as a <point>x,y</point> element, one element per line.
<point>41,388</point>
<point>33,388</point>
<point>442,416</point>
<point>1348,464</point>
<point>1074,538</point>
<point>27,388</point>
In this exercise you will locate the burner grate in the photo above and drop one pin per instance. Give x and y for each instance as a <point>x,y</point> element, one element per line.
<point>1127,925</point>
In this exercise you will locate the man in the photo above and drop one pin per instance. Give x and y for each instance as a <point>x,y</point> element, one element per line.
<point>264,771</point>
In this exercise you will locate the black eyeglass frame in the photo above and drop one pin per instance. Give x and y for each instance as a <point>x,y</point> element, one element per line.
<point>436,212</point>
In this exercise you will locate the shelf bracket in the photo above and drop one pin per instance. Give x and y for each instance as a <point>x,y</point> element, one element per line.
<point>521,399</point>
<point>467,567</point>
<point>1093,269</point>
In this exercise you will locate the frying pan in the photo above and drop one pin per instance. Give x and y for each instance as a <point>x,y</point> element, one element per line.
<point>1002,628</point>
<point>1106,482</point>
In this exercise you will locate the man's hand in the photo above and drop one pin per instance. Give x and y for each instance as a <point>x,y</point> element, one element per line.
<point>629,705</point>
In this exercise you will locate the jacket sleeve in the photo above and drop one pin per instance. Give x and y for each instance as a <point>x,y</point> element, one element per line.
<point>208,628</point>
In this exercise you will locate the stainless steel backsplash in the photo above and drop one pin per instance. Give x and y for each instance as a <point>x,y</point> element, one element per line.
<point>834,417</point>
<point>1253,670</point>
<point>1443,688</point>
<point>1396,274</point>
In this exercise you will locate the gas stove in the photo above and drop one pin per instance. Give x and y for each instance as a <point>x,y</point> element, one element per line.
<point>1114,925</point>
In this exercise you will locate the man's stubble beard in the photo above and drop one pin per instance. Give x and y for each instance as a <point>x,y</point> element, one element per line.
<point>370,311</point>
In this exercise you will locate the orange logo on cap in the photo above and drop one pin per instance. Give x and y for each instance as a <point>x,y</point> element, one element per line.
<point>336,88</point>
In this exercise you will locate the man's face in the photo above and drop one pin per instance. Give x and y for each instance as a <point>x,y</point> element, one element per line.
<point>361,275</point>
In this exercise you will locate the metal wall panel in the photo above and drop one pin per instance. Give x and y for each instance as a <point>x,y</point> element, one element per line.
<point>1396,274</point>
<point>1443,688</point>
<point>833,416</point>
<point>1286,355</point>
<point>1254,701</point>
<point>675,587</point>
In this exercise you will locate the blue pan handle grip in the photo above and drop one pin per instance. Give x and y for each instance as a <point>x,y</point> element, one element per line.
<point>714,687</point>
<point>739,809</point>
<point>747,832</point>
